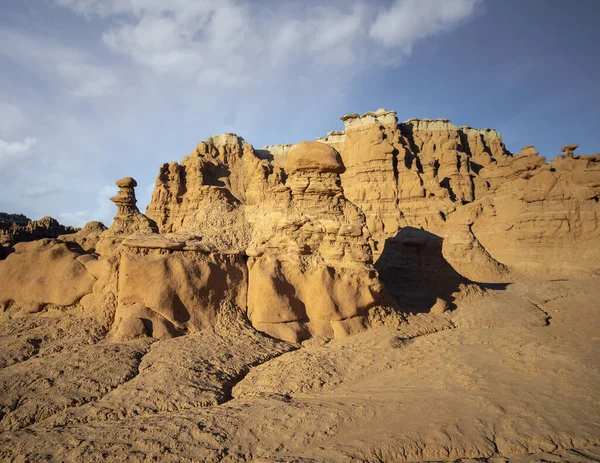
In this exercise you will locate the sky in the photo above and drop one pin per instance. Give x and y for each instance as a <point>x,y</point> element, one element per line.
<point>95,90</point>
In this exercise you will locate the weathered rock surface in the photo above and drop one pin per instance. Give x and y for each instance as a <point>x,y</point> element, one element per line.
<point>87,237</point>
<point>128,220</point>
<point>16,228</point>
<point>499,387</point>
<point>502,213</point>
<point>165,294</point>
<point>43,272</point>
<point>225,167</point>
<point>310,268</point>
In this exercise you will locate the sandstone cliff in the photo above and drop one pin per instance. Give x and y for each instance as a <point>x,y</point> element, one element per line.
<point>499,216</point>
<point>310,268</point>
<point>313,239</point>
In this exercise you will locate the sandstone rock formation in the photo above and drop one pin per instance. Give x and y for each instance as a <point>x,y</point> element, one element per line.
<point>128,219</point>
<point>312,273</point>
<point>310,267</point>
<point>462,185</point>
<point>87,237</point>
<point>309,239</point>
<point>43,272</point>
<point>164,291</point>
<point>16,228</point>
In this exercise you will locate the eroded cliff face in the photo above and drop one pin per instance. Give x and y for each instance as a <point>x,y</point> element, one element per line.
<point>501,216</point>
<point>322,238</point>
<point>431,204</point>
<point>307,248</point>
<point>225,168</point>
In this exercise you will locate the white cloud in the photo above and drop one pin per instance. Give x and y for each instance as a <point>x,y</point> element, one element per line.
<point>16,151</point>
<point>234,43</point>
<point>410,20</point>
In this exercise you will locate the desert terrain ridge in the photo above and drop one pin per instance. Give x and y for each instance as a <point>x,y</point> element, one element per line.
<point>390,292</point>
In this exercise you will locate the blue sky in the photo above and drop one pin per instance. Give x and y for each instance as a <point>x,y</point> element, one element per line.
<point>94,90</point>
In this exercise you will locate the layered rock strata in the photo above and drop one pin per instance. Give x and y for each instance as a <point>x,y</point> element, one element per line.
<point>500,212</point>
<point>312,273</point>
<point>310,269</point>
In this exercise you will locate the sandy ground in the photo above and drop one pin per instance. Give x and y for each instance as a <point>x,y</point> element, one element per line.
<point>510,375</point>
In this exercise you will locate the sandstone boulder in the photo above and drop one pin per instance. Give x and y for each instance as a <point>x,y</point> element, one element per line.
<point>313,156</point>
<point>166,289</point>
<point>292,301</point>
<point>43,272</point>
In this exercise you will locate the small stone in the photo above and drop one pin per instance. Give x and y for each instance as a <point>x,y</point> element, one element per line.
<point>439,307</point>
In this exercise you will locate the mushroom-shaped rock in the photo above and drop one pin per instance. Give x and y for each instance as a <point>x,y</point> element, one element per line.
<point>125,198</point>
<point>569,149</point>
<point>529,151</point>
<point>126,182</point>
<point>128,219</point>
<point>314,156</point>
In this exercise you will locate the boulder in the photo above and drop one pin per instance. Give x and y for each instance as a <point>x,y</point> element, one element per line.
<point>315,157</point>
<point>43,272</point>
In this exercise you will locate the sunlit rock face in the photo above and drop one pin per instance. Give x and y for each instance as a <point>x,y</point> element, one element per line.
<point>313,239</point>
<point>503,212</point>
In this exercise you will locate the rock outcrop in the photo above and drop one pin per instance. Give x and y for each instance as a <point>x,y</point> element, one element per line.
<point>312,272</point>
<point>16,228</point>
<point>316,238</point>
<point>165,290</point>
<point>87,237</point>
<point>502,216</point>
<point>128,219</point>
<point>225,169</point>
<point>43,272</point>
<point>310,268</point>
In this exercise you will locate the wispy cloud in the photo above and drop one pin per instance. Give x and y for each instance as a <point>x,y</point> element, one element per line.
<point>233,43</point>
<point>77,72</point>
<point>408,21</point>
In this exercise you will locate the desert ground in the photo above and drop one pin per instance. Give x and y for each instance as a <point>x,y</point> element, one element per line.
<point>510,375</point>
